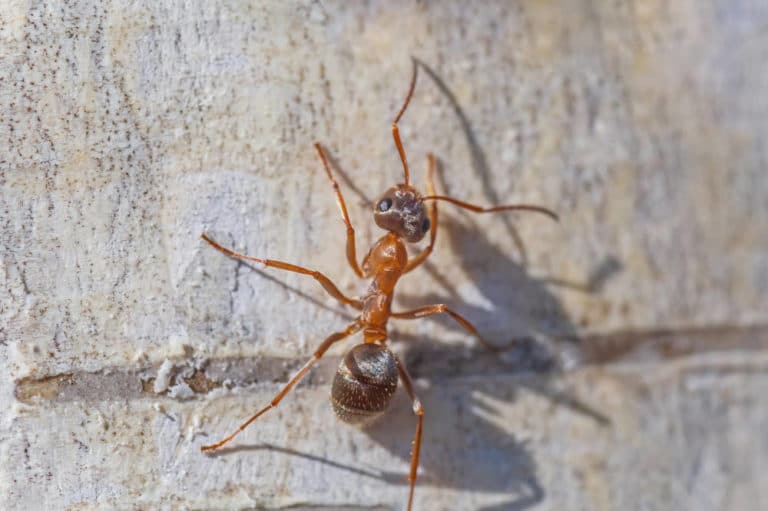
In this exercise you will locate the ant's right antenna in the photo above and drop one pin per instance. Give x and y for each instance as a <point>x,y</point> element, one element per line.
<point>395,131</point>
<point>479,209</point>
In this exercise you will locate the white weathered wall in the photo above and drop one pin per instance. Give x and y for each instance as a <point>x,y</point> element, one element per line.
<point>125,343</point>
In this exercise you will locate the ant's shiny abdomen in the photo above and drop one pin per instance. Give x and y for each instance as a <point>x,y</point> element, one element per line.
<point>364,383</point>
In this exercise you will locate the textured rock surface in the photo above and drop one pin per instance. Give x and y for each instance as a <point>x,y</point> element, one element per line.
<point>125,343</point>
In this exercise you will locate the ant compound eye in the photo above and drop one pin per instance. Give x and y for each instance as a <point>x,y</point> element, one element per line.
<point>385,204</point>
<point>425,225</point>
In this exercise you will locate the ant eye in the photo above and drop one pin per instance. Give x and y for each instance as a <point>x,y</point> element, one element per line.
<point>425,225</point>
<point>385,204</point>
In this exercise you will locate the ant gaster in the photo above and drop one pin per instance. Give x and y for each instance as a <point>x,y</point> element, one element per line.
<point>368,374</point>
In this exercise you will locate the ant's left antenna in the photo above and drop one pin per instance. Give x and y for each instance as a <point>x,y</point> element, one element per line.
<point>395,131</point>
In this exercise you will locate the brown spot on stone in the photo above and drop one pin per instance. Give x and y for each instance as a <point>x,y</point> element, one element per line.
<point>148,386</point>
<point>49,387</point>
<point>200,383</point>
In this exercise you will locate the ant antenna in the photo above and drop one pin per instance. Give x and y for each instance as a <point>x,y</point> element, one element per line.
<point>478,209</point>
<point>395,131</point>
<point>410,91</point>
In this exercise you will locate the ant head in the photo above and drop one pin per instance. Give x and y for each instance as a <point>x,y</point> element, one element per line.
<point>401,210</point>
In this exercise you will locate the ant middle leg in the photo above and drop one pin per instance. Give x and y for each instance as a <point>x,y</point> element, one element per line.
<point>441,308</point>
<point>351,249</point>
<point>324,281</point>
<point>418,410</point>
<point>330,340</point>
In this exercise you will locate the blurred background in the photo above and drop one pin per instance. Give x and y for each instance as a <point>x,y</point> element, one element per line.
<point>637,377</point>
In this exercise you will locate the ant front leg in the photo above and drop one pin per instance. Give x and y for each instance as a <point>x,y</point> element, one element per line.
<point>333,338</point>
<point>440,308</point>
<point>324,281</point>
<point>418,410</point>
<point>422,256</point>
<point>351,249</point>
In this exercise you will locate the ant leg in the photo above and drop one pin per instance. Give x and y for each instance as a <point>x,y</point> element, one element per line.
<point>351,250</point>
<point>351,329</point>
<point>440,308</point>
<point>324,281</point>
<point>418,410</point>
<point>421,257</point>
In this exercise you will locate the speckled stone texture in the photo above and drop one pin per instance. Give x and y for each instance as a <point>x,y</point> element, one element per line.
<point>128,128</point>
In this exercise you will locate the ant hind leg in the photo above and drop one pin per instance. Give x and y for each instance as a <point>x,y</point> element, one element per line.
<point>418,410</point>
<point>331,339</point>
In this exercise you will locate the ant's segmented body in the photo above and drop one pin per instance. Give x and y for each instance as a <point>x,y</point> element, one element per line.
<point>368,374</point>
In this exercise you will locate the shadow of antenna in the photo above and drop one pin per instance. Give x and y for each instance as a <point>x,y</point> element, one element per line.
<point>478,159</point>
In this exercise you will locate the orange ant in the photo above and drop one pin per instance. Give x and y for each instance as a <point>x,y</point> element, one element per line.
<point>368,374</point>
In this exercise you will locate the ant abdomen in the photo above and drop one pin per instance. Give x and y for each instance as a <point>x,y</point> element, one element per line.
<point>364,383</point>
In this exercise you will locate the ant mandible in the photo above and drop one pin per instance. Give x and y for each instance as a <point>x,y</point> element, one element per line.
<point>368,374</point>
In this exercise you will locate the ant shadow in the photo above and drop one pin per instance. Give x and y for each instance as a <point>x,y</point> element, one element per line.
<point>478,160</point>
<point>465,447</point>
<point>472,387</point>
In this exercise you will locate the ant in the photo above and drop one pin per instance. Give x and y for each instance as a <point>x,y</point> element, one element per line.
<point>368,374</point>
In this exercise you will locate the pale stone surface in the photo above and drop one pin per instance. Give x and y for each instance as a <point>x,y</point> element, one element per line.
<point>129,128</point>
<point>686,437</point>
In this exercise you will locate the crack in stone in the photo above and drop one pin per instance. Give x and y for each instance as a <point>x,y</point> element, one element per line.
<point>428,360</point>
